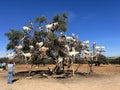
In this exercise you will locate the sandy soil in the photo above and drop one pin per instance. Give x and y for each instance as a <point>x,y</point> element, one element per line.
<point>105,77</point>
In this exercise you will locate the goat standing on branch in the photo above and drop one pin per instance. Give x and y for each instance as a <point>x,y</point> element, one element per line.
<point>52,27</point>
<point>25,28</point>
<point>27,56</point>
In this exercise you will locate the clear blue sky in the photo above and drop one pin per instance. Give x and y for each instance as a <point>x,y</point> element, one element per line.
<point>94,20</point>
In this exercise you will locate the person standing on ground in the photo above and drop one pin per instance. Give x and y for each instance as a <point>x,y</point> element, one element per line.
<point>10,71</point>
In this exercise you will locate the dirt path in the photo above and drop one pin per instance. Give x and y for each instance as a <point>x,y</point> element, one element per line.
<point>103,78</point>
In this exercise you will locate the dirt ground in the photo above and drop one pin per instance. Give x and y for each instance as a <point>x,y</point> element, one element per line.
<point>104,77</point>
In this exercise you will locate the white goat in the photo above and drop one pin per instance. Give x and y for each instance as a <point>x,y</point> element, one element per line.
<point>25,28</point>
<point>11,56</point>
<point>68,39</point>
<point>87,53</point>
<point>99,48</point>
<point>55,24</point>
<point>52,26</point>
<point>60,59</point>
<point>31,47</point>
<point>44,49</point>
<point>67,47</point>
<point>27,55</point>
<point>61,39</point>
<point>73,52</point>
<point>19,47</point>
<point>86,44</point>
<point>40,44</point>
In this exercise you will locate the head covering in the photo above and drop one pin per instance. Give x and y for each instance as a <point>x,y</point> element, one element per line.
<point>11,61</point>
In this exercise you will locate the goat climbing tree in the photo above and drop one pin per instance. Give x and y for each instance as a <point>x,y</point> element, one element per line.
<point>39,41</point>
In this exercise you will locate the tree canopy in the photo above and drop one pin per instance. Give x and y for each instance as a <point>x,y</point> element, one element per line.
<point>15,36</point>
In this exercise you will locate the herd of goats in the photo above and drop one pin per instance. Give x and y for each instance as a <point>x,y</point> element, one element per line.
<point>63,49</point>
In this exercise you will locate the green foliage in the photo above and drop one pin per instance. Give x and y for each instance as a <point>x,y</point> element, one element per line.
<point>42,61</point>
<point>14,37</point>
<point>31,37</point>
<point>19,60</point>
<point>65,15</point>
<point>40,20</point>
<point>79,61</point>
<point>10,46</point>
<point>102,59</point>
<point>4,60</point>
<point>62,27</point>
<point>56,18</point>
<point>62,20</point>
<point>114,61</point>
<point>51,36</point>
<point>42,35</point>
